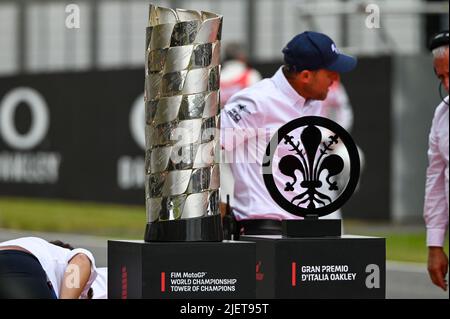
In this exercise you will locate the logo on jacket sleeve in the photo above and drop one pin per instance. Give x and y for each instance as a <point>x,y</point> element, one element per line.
<point>235,112</point>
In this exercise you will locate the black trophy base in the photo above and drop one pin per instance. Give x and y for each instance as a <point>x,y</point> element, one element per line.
<point>137,269</point>
<point>343,267</point>
<point>311,228</point>
<point>207,228</point>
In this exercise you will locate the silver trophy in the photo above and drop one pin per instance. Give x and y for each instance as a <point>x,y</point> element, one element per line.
<point>182,121</point>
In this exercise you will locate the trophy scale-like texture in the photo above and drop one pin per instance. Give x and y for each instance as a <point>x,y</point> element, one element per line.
<point>182,107</point>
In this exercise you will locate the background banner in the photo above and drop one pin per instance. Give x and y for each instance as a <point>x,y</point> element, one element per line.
<point>81,135</point>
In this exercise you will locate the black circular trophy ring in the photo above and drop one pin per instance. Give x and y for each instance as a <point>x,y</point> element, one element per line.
<point>311,165</point>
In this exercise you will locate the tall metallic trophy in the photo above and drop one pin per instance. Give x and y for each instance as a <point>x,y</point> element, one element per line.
<point>182,173</point>
<point>182,120</point>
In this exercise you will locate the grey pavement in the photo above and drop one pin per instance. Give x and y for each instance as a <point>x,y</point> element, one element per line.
<point>403,280</point>
<point>410,281</point>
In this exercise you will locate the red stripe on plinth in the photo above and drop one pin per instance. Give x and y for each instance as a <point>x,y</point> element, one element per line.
<point>163,282</point>
<point>294,274</point>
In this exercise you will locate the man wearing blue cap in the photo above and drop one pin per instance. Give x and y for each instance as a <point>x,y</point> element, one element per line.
<point>312,63</point>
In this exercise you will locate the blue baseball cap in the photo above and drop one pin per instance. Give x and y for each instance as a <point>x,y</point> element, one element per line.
<point>313,51</point>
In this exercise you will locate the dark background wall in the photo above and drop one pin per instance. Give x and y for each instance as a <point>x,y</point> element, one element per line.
<point>415,97</point>
<point>89,128</point>
<point>90,131</point>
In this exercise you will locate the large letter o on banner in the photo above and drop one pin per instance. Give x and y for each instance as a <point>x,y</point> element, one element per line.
<point>39,118</point>
<point>137,121</point>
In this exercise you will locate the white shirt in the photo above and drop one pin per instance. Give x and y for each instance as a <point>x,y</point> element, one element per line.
<point>436,190</point>
<point>54,260</point>
<point>100,284</point>
<point>235,75</point>
<point>234,68</point>
<point>248,121</point>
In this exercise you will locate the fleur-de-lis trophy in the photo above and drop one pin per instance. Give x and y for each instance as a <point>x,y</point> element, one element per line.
<point>182,107</point>
<point>310,174</point>
<point>311,168</point>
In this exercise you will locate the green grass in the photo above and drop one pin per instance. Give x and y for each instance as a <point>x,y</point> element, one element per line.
<point>407,247</point>
<point>125,221</point>
<point>73,217</point>
<point>400,245</point>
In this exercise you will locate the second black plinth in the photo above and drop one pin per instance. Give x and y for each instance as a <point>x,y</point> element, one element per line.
<point>344,267</point>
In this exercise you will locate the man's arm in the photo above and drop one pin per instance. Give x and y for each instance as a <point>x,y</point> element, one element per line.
<point>436,211</point>
<point>76,277</point>
<point>238,120</point>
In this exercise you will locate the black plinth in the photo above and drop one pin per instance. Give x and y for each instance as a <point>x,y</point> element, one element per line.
<point>321,267</point>
<point>189,270</point>
<point>311,228</point>
<point>207,228</point>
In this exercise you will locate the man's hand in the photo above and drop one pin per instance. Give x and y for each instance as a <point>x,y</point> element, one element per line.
<point>438,266</point>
